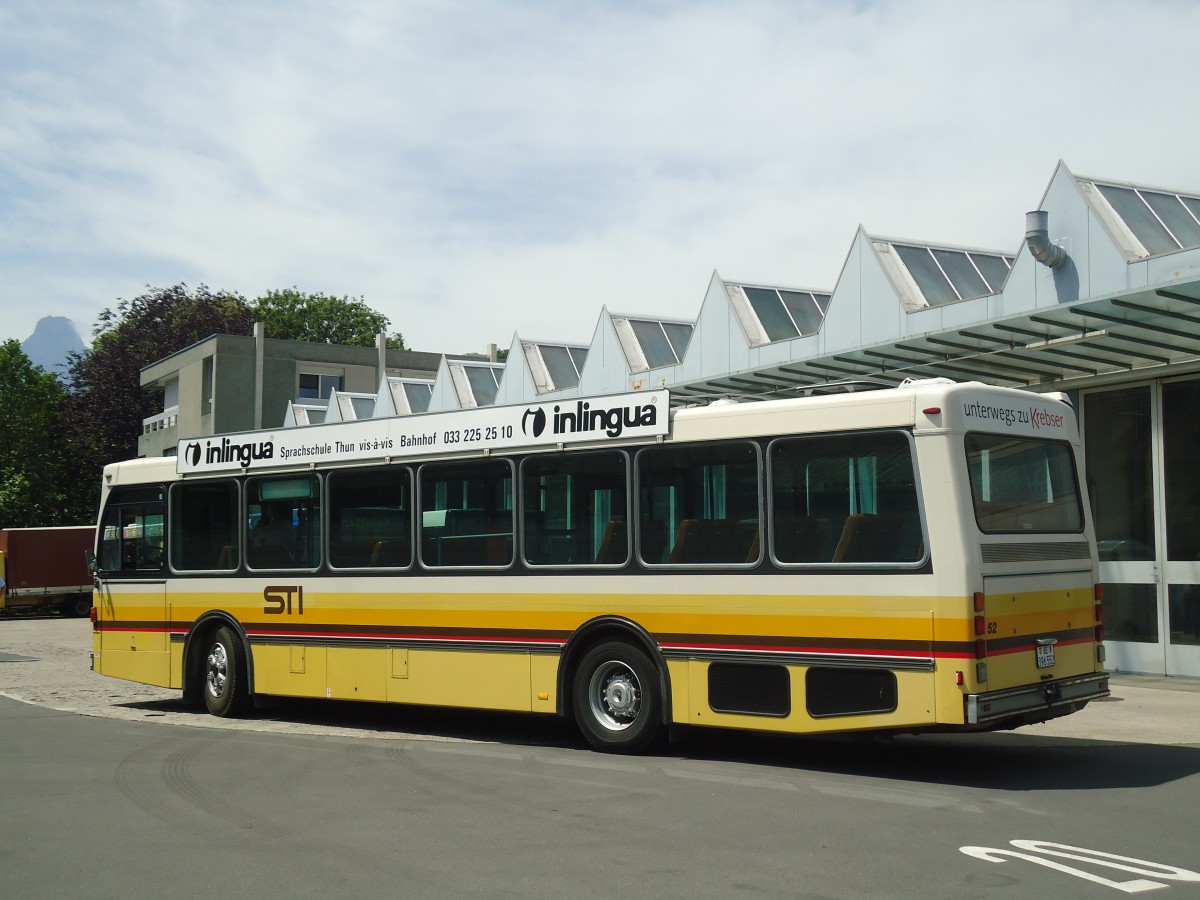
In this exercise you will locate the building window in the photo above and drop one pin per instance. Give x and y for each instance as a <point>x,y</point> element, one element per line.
<point>314,386</point>
<point>206,386</point>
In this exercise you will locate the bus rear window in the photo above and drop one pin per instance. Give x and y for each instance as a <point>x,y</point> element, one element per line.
<point>1023,485</point>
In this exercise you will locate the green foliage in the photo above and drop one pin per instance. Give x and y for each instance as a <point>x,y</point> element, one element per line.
<point>295,316</point>
<point>108,403</point>
<point>33,453</point>
<point>51,470</point>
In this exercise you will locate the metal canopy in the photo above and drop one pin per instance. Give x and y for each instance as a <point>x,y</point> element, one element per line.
<point>1060,347</point>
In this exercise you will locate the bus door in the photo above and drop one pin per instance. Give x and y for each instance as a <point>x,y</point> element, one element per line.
<point>131,604</point>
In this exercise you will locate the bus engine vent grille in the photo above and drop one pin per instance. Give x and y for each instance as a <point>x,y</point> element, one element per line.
<point>749,689</point>
<point>849,692</point>
<point>1000,553</point>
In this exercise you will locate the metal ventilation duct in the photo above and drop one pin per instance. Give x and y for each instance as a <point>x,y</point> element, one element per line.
<point>1037,236</point>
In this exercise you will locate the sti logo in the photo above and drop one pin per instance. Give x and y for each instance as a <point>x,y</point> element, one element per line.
<point>539,421</point>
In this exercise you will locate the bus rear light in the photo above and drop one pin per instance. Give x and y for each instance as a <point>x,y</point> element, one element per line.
<point>1099,634</point>
<point>979,625</point>
<point>92,616</point>
<point>979,601</point>
<point>932,410</point>
<point>981,672</point>
<point>980,649</point>
<point>1100,658</point>
<point>1098,593</point>
<point>958,678</point>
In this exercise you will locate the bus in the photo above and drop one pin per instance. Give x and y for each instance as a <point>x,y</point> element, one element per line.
<point>916,558</point>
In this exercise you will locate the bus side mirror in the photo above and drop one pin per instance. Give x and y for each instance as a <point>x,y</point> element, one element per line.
<point>89,556</point>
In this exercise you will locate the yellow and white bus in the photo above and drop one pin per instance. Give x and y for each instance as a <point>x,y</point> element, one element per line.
<point>908,559</point>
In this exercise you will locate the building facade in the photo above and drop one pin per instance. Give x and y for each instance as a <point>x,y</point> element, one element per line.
<point>230,383</point>
<point>1099,298</point>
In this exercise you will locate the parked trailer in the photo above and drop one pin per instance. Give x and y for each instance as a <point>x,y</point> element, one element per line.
<point>42,568</point>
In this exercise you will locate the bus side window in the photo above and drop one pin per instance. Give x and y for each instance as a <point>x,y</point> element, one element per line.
<point>204,526</point>
<point>847,499</point>
<point>370,518</point>
<point>467,514</point>
<point>573,509</point>
<point>284,523</point>
<point>705,497</point>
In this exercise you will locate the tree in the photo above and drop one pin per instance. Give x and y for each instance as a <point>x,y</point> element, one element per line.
<point>295,316</point>
<point>107,402</point>
<point>32,452</point>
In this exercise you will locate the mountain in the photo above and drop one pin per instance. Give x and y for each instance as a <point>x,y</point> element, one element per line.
<point>51,341</point>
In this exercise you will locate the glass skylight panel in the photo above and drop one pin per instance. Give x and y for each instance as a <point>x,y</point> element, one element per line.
<point>560,365</point>
<point>943,275</point>
<point>925,272</point>
<point>418,396</point>
<point>484,383</point>
<point>804,309</point>
<point>994,269</point>
<point>653,341</point>
<point>1170,208</point>
<point>783,315</point>
<point>962,273</point>
<point>1139,218</point>
<point>772,314</point>
<point>1193,205</point>
<point>680,336</point>
<point>578,356</point>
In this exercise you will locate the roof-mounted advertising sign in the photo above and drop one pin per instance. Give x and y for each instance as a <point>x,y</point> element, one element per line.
<point>593,420</point>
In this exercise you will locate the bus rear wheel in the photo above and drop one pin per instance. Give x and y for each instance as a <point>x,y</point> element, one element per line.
<point>225,692</point>
<point>616,698</point>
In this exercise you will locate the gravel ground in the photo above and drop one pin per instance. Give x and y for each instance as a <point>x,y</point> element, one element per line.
<point>46,661</point>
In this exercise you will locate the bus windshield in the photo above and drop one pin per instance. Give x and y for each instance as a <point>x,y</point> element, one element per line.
<point>1022,485</point>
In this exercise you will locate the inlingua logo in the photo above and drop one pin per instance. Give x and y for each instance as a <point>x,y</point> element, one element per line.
<point>612,421</point>
<point>539,421</point>
<point>226,451</point>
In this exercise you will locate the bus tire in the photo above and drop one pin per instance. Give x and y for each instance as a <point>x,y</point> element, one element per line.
<point>616,698</point>
<point>225,669</point>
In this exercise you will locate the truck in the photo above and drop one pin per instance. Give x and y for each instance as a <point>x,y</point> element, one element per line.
<point>46,568</point>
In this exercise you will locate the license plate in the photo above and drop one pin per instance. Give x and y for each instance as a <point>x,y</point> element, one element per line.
<point>1045,656</point>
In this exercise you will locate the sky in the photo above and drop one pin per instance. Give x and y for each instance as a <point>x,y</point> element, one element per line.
<point>479,170</point>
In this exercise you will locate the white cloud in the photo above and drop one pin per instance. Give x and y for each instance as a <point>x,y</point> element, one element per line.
<point>478,168</point>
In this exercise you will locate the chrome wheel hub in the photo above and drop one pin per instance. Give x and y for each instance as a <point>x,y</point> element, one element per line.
<point>615,695</point>
<point>218,670</point>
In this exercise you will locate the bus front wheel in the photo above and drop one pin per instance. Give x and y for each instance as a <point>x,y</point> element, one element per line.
<point>225,670</point>
<point>616,699</point>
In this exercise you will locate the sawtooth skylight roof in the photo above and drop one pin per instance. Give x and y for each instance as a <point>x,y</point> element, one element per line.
<point>345,406</point>
<point>475,383</point>
<point>944,275</point>
<point>1162,221</point>
<point>418,394</point>
<point>409,395</point>
<point>653,343</point>
<point>554,366</point>
<point>300,412</point>
<point>771,314</point>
